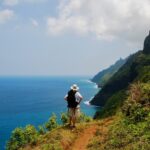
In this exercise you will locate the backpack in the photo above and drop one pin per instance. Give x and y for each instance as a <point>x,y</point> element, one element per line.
<point>71,99</point>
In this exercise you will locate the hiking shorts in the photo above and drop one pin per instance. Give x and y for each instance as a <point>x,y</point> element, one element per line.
<point>74,112</point>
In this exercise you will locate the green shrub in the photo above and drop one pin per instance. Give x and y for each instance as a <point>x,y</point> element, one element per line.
<point>31,134</point>
<point>41,129</point>
<point>64,118</point>
<point>22,136</point>
<point>136,108</point>
<point>17,139</point>
<point>84,118</point>
<point>52,123</point>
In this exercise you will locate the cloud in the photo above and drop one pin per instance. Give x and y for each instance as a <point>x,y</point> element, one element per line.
<point>11,2</point>
<point>15,2</point>
<point>6,15</point>
<point>34,22</point>
<point>106,19</point>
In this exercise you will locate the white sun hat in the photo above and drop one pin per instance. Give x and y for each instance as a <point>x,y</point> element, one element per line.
<point>74,87</point>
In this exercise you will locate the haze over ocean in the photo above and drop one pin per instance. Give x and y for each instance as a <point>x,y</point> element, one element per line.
<point>31,100</point>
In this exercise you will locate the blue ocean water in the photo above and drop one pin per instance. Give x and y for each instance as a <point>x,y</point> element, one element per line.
<point>32,100</point>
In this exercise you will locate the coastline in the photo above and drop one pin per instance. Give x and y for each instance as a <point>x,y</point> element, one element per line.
<point>98,88</point>
<point>89,104</point>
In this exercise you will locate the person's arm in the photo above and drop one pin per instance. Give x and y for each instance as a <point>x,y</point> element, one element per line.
<point>79,97</point>
<point>66,97</point>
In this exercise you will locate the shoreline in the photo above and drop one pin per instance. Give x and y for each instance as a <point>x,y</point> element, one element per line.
<point>89,104</point>
<point>98,88</point>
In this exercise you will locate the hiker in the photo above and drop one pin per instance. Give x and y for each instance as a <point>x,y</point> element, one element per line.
<point>73,98</point>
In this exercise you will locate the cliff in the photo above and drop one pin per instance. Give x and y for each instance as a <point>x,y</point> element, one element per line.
<point>103,76</point>
<point>146,48</point>
<point>136,68</point>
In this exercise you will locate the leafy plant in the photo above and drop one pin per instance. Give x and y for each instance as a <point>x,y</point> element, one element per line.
<point>52,123</point>
<point>22,136</point>
<point>41,129</point>
<point>136,107</point>
<point>84,118</point>
<point>64,118</point>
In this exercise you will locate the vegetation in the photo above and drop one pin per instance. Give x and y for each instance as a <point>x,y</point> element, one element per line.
<point>30,136</point>
<point>112,106</point>
<point>137,68</point>
<point>103,76</point>
<point>131,128</point>
<point>22,136</point>
<point>52,123</point>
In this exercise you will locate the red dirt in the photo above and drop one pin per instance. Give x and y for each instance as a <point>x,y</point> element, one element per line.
<point>84,138</point>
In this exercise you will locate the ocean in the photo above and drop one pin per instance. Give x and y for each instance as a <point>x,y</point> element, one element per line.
<point>32,100</point>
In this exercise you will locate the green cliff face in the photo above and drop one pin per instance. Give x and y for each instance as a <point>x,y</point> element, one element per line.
<point>137,68</point>
<point>103,76</point>
<point>146,49</point>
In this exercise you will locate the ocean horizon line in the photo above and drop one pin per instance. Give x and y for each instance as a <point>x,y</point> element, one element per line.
<point>28,76</point>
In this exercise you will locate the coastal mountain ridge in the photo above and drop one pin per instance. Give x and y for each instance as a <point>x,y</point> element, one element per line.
<point>103,76</point>
<point>136,68</point>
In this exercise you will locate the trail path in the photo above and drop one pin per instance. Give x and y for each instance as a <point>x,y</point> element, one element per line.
<point>84,138</point>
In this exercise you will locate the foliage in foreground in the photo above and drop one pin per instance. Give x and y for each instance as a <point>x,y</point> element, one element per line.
<point>29,135</point>
<point>21,137</point>
<point>131,130</point>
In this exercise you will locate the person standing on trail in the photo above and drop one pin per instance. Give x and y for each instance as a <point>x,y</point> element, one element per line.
<point>73,98</point>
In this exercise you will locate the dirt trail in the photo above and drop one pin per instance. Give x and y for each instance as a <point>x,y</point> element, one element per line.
<point>84,138</point>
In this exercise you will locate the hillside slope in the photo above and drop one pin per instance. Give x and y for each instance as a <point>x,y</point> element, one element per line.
<point>136,68</point>
<point>65,138</point>
<point>103,76</point>
<point>130,129</point>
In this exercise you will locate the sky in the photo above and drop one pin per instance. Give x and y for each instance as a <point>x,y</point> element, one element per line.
<point>69,37</point>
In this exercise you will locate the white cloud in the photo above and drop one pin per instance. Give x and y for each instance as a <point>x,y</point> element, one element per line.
<point>11,2</point>
<point>106,19</point>
<point>15,2</point>
<point>34,22</point>
<point>6,15</point>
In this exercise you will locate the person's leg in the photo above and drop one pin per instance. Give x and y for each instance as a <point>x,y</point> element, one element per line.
<point>70,116</point>
<point>74,121</point>
<point>70,120</point>
<point>74,117</point>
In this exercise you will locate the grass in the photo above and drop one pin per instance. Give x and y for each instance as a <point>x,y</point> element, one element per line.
<point>131,127</point>
<point>59,138</point>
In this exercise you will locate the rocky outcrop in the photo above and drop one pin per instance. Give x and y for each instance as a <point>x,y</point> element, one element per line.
<point>146,49</point>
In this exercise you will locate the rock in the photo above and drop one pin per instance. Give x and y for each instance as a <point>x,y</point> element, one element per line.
<point>146,49</point>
